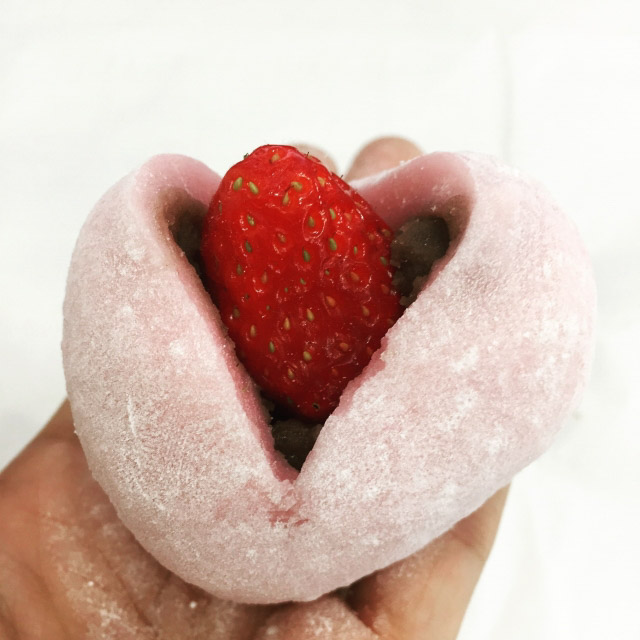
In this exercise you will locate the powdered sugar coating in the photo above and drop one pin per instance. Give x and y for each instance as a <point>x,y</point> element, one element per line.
<point>470,385</point>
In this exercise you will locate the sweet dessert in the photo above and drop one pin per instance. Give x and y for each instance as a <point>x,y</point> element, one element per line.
<point>469,385</point>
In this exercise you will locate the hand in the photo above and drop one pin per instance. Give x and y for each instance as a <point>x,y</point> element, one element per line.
<point>70,569</point>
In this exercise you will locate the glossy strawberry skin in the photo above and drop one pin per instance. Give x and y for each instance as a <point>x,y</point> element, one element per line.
<point>298,265</point>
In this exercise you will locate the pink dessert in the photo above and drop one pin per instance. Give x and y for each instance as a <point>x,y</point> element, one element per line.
<point>470,385</point>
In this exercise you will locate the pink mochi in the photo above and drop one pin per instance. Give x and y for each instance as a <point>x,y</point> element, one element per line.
<point>470,385</point>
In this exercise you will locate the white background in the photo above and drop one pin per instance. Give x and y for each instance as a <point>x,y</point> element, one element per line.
<point>89,90</point>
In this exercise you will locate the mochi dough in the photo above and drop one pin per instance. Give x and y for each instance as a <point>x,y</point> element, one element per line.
<point>469,386</point>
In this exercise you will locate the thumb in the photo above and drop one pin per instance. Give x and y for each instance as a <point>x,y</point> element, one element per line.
<point>426,595</point>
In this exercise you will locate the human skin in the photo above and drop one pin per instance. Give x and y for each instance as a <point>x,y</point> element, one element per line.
<point>70,569</point>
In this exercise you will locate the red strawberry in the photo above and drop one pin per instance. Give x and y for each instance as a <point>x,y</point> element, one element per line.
<point>298,265</point>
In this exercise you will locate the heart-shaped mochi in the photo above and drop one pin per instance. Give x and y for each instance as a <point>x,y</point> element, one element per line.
<point>470,385</point>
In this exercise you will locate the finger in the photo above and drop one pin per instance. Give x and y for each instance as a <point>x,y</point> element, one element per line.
<point>381,154</point>
<point>327,617</point>
<point>321,154</point>
<point>426,595</point>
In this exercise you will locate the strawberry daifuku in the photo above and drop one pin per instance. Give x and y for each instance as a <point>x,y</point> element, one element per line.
<point>469,385</point>
<point>298,265</point>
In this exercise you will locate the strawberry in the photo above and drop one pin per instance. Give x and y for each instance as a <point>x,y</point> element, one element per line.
<point>298,266</point>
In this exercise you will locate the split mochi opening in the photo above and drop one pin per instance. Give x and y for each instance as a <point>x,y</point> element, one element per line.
<point>424,241</point>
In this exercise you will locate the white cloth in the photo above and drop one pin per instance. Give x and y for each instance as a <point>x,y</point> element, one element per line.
<point>88,91</point>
